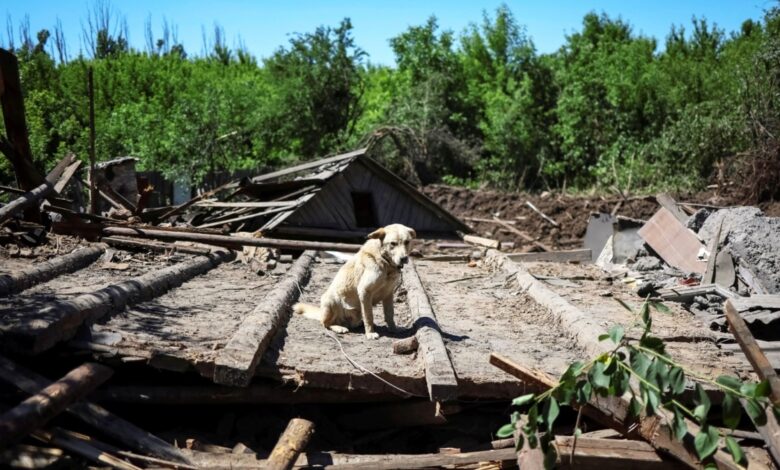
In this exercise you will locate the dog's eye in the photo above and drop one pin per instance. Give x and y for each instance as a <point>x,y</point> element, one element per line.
<point>393,243</point>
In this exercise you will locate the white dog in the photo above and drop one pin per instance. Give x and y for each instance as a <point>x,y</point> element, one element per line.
<point>368,278</point>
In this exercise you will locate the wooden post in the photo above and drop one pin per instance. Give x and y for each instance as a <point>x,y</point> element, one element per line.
<point>439,372</point>
<point>94,415</point>
<point>235,364</point>
<point>37,410</point>
<point>93,196</point>
<point>480,241</point>
<point>17,147</point>
<point>292,442</point>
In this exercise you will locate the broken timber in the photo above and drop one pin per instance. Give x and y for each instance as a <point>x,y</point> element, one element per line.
<point>656,430</point>
<point>480,241</point>
<point>770,430</point>
<point>60,321</point>
<point>439,372</point>
<point>228,241</point>
<point>235,364</point>
<point>160,247</point>
<point>667,202</point>
<point>50,401</point>
<point>565,256</point>
<point>18,281</point>
<point>523,235</point>
<point>547,218</point>
<point>291,443</point>
<point>94,415</point>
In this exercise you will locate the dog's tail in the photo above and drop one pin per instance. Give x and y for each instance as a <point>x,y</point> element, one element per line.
<point>308,310</point>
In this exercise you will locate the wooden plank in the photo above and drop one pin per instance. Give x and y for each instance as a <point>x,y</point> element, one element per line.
<point>547,218</point>
<point>523,235</point>
<point>178,209</point>
<point>160,247</point>
<point>243,218</point>
<point>380,462</point>
<point>94,415</point>
<point>564,256</point>
<point>685,293</point>
<point>17,147</point>
<point>27,200</point>
<point>709,274</point>
<point>309,165</point>
<point>50,401</point>
<point>18,281</point>
<point>63,181</point>
<point>439,372</point>
<point>228,241</point>
<point>59,200</point>
<point>60,439</point>
<point>673,242</point>
<point>235,364</point>
<point>667,202</point>
<point>770,430</point>
<point>60,320</point>
<point>656,430</point>
<point>480,241</point>
<point>291,443</point>
<point>609,454</point>
<point>287,204</point>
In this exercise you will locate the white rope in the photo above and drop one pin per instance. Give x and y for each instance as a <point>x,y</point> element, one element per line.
<point>358,366</point>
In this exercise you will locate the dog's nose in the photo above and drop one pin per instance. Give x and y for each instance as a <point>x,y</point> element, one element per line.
<point>404,260</point>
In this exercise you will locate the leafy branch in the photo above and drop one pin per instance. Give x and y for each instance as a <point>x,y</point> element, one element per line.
<point>652,381</point>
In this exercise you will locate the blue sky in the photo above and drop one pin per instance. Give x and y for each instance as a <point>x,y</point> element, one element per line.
<point>265,25</point>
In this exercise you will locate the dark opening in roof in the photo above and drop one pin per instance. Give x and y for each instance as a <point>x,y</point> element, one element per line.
<point>363,204</point>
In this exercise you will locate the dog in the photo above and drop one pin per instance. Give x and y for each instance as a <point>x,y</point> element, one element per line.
<point>368,278</point>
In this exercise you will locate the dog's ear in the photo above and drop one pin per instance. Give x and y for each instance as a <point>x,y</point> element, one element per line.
<point>378,234</point>
<point>412,232</point>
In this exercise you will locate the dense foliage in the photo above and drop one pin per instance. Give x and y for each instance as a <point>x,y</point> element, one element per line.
<point>610,108</point>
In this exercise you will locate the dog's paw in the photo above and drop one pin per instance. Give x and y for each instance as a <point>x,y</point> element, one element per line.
<point>339,329</point>
<point>372,335</point>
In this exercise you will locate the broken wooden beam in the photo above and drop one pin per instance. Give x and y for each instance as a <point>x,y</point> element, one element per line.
<point>687,293</point>
<point>60,320</point>
<point>547,218</point>
<point>228,241</point>
<point>604,454</point>
<point>439,372</point>
<point>614,413</point>
<point>50,401</point>
<point>149,245</point>
<point>17,146</point>
<point>667,202</point>
<point>524,236</point>
<point>291,443</point>
<point>57,437</point>
<point>235,364</point>
<point>406,345</point>
<point>178,209</point>
<point>564,256</point>
<point>770,430</point>
<point>709,274</point>
<point>94,415</point>
<point>253,394</point>
<point>27,200</point>
<point>18,281</point>
<point>481,241</point>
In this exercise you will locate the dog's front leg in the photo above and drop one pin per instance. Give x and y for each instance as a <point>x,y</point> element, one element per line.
<point>387,306</point>
<point>367,305</point>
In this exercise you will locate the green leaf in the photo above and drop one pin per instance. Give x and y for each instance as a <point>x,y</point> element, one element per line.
<point>660,374</point>
<point>625,305</point>
<point>755,411</point>
<point>551,412</point>
<point>597,376</point>
<point>520,441</point>
<point>507,430</point>
<point>706,442</point>
<point>762,389</point>
<point>603,336</point>
<point>735,450</point>
<point>679,426</point>
<point>634,407</point>
<point>616,333</point>
<point>573,371</point>
<point>640,363</point>
<point>702,404</point>
<point>644,312</point>
<point>732,411</point>
<point>584,391</point>
<point>550,457</point>
<point>677,380</point>
<point>729,382</point>
<point>653,343</point>
<point>653,400</point>
<point>520,401</point>
<point>658,306</point>
<point>619,382</point>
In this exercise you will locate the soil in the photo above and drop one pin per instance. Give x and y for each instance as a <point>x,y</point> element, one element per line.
<point>570,212</point>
